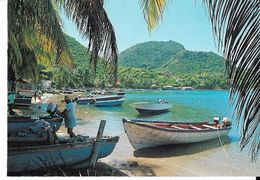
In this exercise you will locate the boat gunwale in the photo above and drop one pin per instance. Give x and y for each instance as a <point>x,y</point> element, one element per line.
<point>23,119</point>
<point>116,100</point>
<point>155,109</point>
<point>137,122</point>
<point>54,147</point>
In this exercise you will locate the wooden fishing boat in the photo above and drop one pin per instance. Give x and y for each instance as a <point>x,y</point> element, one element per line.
<point>145,134</point>
<point>16,123</point>
<point>107,103</point>
<point>22,101</point>
<point>153,109</point>
<point>71,152</point>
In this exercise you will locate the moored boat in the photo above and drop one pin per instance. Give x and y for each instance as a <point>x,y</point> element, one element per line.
<point>16,123</point>
<point>120,93</point>
<point>86,101</point>
<point>152,108</point>
<point>22,101</point>
<point>72,152</point>
<point>146,134</point>
<point>106,103</point>
<point>100,98</point>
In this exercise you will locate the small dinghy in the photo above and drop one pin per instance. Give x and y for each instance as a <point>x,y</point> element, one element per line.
<point>145,134</point>
<point>152,108</point>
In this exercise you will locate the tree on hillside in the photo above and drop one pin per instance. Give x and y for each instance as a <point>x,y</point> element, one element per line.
<point>235,24</point>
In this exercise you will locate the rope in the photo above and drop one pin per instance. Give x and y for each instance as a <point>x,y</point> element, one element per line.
<point>223,148</point>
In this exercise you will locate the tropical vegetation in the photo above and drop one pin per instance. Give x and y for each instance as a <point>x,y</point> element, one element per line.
<point>35,37</point>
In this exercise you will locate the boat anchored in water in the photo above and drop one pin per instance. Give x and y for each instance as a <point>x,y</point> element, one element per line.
<point>152,108</point>
<point>146,134</point>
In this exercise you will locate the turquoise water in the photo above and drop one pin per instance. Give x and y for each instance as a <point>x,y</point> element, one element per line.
<point>197,105</point>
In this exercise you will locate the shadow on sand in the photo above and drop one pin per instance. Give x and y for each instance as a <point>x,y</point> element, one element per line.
<point>180,149</point>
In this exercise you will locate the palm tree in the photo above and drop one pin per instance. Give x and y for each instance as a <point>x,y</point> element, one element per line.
<point>235,24</point>
<point>35,34</point>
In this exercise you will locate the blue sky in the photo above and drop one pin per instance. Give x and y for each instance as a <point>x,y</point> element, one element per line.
<point>185,21</point>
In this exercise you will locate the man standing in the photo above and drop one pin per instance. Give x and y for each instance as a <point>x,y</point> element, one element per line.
<point>70,116</point>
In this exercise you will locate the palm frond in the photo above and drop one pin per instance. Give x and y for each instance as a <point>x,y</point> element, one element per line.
<point>94,25</point>
<point>153,11</point>
<point>236,26</point>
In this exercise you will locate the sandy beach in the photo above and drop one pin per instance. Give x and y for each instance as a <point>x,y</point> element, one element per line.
<point>200,159</point>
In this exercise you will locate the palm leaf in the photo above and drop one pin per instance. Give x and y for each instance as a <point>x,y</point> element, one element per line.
<point>153,11</point>
<point>236,26</point>
<point>94,25</point>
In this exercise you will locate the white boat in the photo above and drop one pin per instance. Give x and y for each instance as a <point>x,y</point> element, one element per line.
<point>146,134</point>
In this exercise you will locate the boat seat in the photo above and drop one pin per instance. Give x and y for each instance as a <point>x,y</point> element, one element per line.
<point>208,126</point>
<point>194,127</point>
<point>173,126</point>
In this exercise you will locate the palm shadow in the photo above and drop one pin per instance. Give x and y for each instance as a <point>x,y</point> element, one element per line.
<point>180,149</point>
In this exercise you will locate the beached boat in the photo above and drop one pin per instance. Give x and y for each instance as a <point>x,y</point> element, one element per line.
<point>72,152</point>
<point>145,134</point>
<point>22,101</point>
<point>152,108</point>
<point>17,123</point>
<point>106,103</point>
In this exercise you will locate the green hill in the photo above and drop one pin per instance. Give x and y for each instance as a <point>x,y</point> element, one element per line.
<point>171,57</point>
<point>192,62</point>
<point>157,64</point>
<point>147,65</point>
<point>149,54</point>
<point>78,51</point>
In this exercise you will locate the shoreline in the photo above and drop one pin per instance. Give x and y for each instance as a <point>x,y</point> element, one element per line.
<point>200,159</point>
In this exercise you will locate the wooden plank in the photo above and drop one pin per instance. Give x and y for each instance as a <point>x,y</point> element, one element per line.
<point>194,127</point>
<point>94,156</point>
<point>208,126</point>
<point>176,127</point>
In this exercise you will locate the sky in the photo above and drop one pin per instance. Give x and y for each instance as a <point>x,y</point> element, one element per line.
<point>184,21</point>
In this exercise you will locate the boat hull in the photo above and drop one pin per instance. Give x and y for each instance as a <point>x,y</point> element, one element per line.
<point>17,123</point>
<point>109,103</point>
<point>153,109</point>
<point>151,112</point>
<point>86,101</point>
<point>24,159</point>
<point>108,98</point>
<point>146,136</point>
<point>92,100</point>
<point>22,101</point>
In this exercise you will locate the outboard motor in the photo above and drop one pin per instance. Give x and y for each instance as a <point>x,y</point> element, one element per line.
<point>52,109</point>
<point>226,121</point>
<point>216,120</point>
